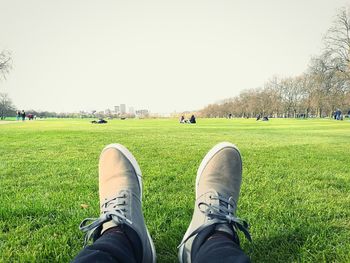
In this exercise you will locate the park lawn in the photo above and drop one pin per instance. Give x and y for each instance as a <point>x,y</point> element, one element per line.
<point>295,192</point>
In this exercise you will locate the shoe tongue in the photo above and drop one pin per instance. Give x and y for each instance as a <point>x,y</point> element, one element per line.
<point>219,203</point>
<point>224,228</point>
<point>108,225</point>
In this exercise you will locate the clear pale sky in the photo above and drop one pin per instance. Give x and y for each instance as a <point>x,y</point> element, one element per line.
<point>72,55</point>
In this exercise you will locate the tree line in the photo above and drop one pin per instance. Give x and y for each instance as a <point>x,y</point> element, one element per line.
<point>322,89</point>
<point>6,105</point>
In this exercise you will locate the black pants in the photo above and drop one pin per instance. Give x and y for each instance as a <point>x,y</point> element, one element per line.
<point>115,246</point>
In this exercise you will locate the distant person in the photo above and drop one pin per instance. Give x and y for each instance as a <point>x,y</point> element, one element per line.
<point>230,116</point>
<point>182,119</point>
<point>100,121</point>
<point>23,115</point>
<point>120,234</point>
<point>18,115</point>
<point>338,114</point>
<point>193,119</point>
<point>258,117</point>
<point>265,118</point>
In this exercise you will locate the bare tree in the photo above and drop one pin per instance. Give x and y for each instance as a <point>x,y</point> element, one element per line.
<point>273,87</point>
<point>323,80</point>
<point>319,91</point>
<point>337,42</point>
<point>6,106</point>
<point>308,89</point>
<point>5,63</point>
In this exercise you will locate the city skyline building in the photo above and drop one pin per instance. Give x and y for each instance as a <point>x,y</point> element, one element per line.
<point>116,109</point>
<point>142,113</point>
<point>122,108</point>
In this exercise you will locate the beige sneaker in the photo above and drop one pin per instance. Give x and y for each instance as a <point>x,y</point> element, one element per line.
<point>120,188</point>
<point>218,184</point>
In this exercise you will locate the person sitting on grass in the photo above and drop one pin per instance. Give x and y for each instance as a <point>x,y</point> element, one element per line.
<point>193,119</point>
<point>100,121</point>
<point>182,119</point>
<point>120,234</point>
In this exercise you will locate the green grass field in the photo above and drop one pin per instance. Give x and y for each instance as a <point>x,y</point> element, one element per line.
<point>295,192</point>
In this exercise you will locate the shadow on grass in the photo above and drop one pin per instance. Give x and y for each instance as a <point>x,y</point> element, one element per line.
<point>303,244</point>
<point>281,248</point>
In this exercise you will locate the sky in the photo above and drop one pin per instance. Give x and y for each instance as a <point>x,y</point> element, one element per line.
<point>165,56</point>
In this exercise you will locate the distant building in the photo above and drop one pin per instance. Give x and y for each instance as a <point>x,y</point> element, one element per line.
<point>142,113</point>
<point>131,110</point>
<point>116,109</point>
<point>99,114</point>
<point>122,108</point>
<point>108,111</point>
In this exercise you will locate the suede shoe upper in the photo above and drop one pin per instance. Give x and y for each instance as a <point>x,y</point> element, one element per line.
<point>218,185</point>
<point>120,189</point>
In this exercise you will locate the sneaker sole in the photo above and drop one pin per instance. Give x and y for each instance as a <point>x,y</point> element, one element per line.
<point>203,164</point>
<point>137,169</point>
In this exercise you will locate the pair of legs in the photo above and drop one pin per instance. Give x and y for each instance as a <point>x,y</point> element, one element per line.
<point>120,233</point>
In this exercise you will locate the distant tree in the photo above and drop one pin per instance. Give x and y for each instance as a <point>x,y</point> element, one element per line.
<point>337,42</point>
<point>322,89</point>
<point>307,88</point>
<point>6,106</point>
<point>5,63</point>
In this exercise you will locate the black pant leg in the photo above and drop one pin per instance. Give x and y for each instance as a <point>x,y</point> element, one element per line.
<point>112,246</point>
<point>220,248</point>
